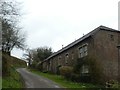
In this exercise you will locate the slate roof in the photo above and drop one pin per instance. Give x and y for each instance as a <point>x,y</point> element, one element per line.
<point>81,39</point>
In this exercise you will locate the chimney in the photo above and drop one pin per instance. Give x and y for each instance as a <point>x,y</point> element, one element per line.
<point>62,46</point>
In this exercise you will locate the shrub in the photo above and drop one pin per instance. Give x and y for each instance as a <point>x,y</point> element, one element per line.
<point>39,67</point>
<point>95,70</point>
<point>66,71</point>
<point>58,71</point>
<point>75,77</point>
<point>33,65</point>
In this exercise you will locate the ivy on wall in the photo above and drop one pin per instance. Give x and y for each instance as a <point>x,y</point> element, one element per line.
<point>95,70</point>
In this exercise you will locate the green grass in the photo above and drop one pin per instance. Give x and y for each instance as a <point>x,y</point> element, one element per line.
<point>13,80</point>
<point>0,82</point>
<point>63,82</point>
<point>10,77</point>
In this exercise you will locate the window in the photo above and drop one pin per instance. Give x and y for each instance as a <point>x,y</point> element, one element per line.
<point>66,58</point>
<point>59,59</point>
<point>85,69</point>
<point>83,51</point>
<point>67,55</point>
<point>111,37</point>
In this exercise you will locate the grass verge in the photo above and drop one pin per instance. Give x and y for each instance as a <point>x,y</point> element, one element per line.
<point>10,77</point>
<point>63,82</point>
<point>0,82</point>
<point>13,80</point>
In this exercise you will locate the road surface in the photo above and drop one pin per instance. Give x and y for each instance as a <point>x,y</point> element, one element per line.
<point>36,81</point>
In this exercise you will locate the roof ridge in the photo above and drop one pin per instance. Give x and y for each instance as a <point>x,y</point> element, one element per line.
<point>107,28</point>
<point>101,27</point>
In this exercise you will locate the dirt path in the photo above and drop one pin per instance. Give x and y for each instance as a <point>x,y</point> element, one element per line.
<point>36,81</point>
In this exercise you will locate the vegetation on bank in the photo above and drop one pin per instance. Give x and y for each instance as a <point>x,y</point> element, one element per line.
<point>63,82</point>
<point>13,80</point>
<point>10,77</point>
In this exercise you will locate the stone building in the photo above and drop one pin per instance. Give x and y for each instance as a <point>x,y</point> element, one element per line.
<point>101,44</point>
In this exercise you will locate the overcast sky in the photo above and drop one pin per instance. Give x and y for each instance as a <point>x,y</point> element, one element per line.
<point>54,23</point>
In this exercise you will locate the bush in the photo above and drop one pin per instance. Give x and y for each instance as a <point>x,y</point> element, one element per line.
<point>39,67</point>
<point>95,70</point>
<point>58,71</point>
<point>66,71</point>
<point>75,77</point>
<point>33,65</point>
<point>80,78</point>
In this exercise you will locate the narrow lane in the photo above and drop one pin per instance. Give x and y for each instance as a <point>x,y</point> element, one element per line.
<point>36,81</point>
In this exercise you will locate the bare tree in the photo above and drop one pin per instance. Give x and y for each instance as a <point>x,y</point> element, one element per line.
<point>11,38</point>
<point>29,56</point>
<point>11,32</point>
<point>9,10</point>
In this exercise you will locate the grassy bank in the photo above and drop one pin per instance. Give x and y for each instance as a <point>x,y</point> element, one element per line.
<point>63,82</point>
<point>13,80</point>
<point>10,77</point>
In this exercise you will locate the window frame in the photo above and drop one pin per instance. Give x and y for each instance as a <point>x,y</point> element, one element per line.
<point>66,58</point>
<point>83,50</point>
<point>85,69</point>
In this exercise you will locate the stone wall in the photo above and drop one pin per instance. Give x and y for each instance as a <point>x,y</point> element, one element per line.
<point>107,53</point>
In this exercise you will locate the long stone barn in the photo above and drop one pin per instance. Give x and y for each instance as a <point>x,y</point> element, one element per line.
<point>99,44</point>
